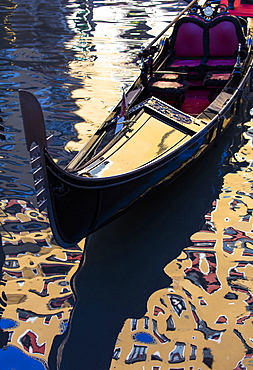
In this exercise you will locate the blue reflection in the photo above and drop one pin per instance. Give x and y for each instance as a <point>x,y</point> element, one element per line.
<point>7,147</point>
<point>14,358</point>
<point>8,324</point>
<point>144,338</point>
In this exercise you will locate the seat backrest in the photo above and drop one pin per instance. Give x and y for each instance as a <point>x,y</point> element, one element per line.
<point>187,38</point>
<point>225,36</point>
<point>194,37</point>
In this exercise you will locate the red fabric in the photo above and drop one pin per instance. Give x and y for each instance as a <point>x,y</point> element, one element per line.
<point>189,41</point>
<point>167,84</point>
<point>226,44</point>
<point>242,10</point>
<point>169,76</point>
<point>195,102</point>
<point>220,62</point>
<point>220,76</point>
<point>186,62</point>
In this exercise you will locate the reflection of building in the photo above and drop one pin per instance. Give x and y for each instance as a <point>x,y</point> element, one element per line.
<point>8,36</point>
<point>104,55</point>
<point>74,59</point>
<point>36,295</point>
<point>203,320</point>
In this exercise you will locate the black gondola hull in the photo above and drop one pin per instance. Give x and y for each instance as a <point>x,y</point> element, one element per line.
<point>101,183</point>
<point>92,203</point>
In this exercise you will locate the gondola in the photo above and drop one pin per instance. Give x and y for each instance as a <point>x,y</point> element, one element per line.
<point>188,92</point>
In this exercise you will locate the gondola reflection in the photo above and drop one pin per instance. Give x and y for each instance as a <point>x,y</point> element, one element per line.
<point>163,285</point>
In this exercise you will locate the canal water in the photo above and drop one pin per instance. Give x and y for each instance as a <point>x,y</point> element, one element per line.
<point>167,286</point>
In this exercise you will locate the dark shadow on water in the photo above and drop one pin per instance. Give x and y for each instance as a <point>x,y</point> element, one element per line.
<point>124,261</point>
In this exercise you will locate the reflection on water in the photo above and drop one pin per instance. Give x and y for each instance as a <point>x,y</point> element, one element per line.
<point>203,318</point>
<point>118,31</point>
<point>168,280</point>
<point>74,55</point>
<point>175,271</point>
<point>36,295</point>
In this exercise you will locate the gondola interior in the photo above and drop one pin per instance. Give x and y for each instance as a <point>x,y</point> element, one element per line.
<point>193,71</point>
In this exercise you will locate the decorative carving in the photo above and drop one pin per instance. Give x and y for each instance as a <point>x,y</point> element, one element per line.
<point>164,109</point>
<point>209,11</point>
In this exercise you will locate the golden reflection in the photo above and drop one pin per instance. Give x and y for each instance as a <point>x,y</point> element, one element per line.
<point>204,319</point>
<point>8,34</point>
<point>37,298</point>
<point>99,92</point>
<point>103,63</point>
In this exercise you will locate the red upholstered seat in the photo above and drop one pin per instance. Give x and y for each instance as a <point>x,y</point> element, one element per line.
<point>164,87</point>
<point>214,62</point>
<point>168,87</point>
<point>220,64</point>
<point>216,79</point>
<point>178,63</point>
<point>223,45</point>
<point>189,40</point>
<point>223,39</point>
<point>187,44</point>
<point>205,45</point>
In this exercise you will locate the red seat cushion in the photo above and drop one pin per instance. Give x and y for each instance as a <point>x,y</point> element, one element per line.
<point>216,79</point>
<point>185,62</point>
<point>220,64</point>
<point>168,87</point>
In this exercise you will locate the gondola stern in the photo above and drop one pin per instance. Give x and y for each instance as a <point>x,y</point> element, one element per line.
<point>33,119</point>
<point>36,142</point>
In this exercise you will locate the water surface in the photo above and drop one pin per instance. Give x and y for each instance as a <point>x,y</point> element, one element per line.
<point>166,286</point>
